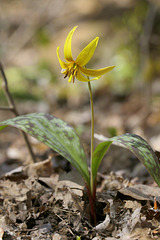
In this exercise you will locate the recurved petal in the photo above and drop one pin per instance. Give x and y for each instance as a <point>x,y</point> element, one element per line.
<point>67,46</point>
<point>82,78</point>
<point>87,53</point>
<point>95,72</point>
<point>63,64</point>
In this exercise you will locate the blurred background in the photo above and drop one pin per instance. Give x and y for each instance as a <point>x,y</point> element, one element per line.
<point>126,100</point>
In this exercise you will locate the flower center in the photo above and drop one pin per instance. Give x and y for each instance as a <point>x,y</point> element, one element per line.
<point>71,72</point>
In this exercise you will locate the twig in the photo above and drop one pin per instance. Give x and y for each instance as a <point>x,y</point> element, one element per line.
<point>12,107</point>
<point>6,108</point>
<point>146,34</point>
<point>145,45</point>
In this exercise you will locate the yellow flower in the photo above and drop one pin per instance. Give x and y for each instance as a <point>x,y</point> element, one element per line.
<point>76,68</point>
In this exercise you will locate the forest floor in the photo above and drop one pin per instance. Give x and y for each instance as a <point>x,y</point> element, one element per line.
<point>46,199</point>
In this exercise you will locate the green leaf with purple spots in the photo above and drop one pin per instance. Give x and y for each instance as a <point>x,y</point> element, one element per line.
<point>142,150</point>
<point>56,134</point>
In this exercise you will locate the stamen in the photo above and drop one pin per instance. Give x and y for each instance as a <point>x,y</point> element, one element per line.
<point>66,74</point>
<point>73,78</point>
<point>71,72</point>
<point>70,79</point>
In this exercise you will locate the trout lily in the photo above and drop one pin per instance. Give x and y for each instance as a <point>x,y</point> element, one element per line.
<point>76,68</point>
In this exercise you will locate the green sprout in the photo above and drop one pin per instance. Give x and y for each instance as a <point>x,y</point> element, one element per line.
<point>78,238</point>
<point>62,138</point>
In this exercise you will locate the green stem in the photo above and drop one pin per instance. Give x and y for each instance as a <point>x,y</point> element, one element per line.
<point>92,136</point>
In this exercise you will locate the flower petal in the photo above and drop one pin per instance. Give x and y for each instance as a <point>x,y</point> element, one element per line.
<point>87,53</point>
<point>63,64</point>
<point>82,78</point>
<point>67,46</point>
<point>95,72</point>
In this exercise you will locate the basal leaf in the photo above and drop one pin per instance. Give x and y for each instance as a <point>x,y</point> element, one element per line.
<point>98,155</point>
<point>56,134</point>
<point>142,150</point>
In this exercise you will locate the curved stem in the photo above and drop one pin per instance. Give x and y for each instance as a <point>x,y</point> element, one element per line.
<point>92,135</point>
<point>12,107</point>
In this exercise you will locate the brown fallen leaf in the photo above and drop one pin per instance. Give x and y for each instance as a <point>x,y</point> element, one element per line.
<point>1,233</point>
<point>132,205</point>
<point>40,169</point>
<point>66,191</point>
<point>141,192</point>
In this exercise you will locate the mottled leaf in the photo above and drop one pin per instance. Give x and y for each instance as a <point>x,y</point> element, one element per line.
<point>56,134</point>
<point>143,152</point>
<point>98,155</point>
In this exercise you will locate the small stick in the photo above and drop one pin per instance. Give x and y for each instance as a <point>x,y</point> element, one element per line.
<point>6,108</point>
<point>12,107</point>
